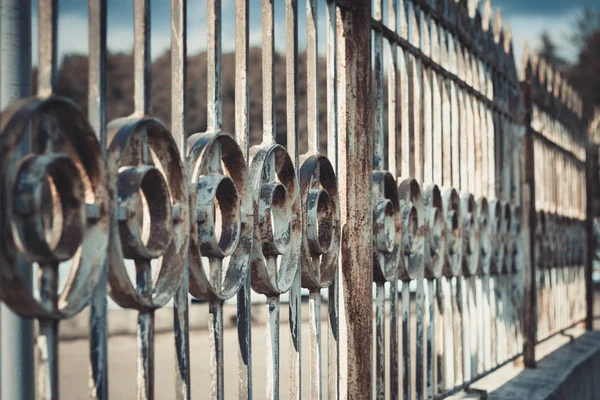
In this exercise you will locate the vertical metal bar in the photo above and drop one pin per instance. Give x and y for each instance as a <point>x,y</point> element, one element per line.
<point>145,337</point>
<point>214,56</point>
<point>47,43</point>
<point>591,179</point>
<point>394,372</point>
<point>378,146</point>
<point>179,132</point>
<point>380,341</point>
<point>379,164</point>
<point>462,297</point>
<point>97,118</point>
<point>273,348</point>
<point>431,374</point>
<point>392,111</point>
<point>268,72</point>
<point>214,124</point>
<point>16,333</point>
<point>141,57</point>
<point>215,338</point>
<point>354,152</point>
<point>312,75</point>
<point>420,354</point>
<point>314,317</point>
<point>527,237</point>
<point>295,296</point>
<point>486,335</point>
<point>473,327</point>
<point>449,348</point>
<point>333,367</point>
<point>406,356</point>
<point>242,134</point>
<point>47,340</point>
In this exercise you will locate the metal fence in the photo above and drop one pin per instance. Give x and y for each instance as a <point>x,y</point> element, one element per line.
<point>476,198</point>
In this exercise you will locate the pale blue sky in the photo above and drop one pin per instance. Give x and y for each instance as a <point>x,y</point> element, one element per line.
<point>527,18</point>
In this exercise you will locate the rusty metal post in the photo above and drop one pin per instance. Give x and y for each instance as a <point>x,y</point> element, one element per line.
<point>354,169</point>
<point>528,229</point>
<point>591,178</point>
<point>16,346</point>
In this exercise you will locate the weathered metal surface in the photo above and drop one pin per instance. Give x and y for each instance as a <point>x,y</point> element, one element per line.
<point>55,207</point>
<point>16,333</point>
<point>428,181</point>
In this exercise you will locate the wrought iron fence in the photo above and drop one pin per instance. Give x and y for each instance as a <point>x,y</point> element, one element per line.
<point>428,181</point>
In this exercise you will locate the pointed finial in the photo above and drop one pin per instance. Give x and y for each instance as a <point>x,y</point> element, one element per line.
<point>486,15</point>
<point>564,90</point>
<point>497,25</point>
<point>551,76</point>
<point>472,7</point>
<point>507,38</point>
<point>526,67</point>
<point>557,86</point>
<point>541,71</point>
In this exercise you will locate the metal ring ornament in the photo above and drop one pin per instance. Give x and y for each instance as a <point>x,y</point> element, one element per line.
<point>485,258</point>
<point>435,252</point>
<point>515,229</point>
<point>413,228</point>
<point>222,216</point>
<point>471,234</point>
<point>150,210</point>
<point>387,229</point>
<point>497,232</point>
<point>321,221</point>
<point>454,241</point>
<point>558,241</point>
<point>277,220</point>
<point>564,241</point>
<point>54,203</point>
<point>569,247</point>
<point>581,240</point>
<point>509,238</point>
<point>550,240</point>
<point>540,239</point>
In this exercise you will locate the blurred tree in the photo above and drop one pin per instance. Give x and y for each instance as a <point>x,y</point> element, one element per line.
<point>584,74</point>
<point>548,51</point>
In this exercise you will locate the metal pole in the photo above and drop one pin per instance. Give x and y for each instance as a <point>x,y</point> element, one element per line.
<point>591,181</point>
<point>354,175</point>
<point>16,344</point>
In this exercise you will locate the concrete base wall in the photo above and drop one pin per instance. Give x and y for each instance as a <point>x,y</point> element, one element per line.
<point>570,372</point>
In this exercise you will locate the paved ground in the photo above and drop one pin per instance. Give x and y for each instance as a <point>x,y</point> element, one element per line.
<point>122,359</point>
<point>122,367</point>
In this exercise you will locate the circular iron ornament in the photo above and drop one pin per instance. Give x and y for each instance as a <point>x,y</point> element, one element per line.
<point>540,240</point>
<point>413,227</point>
<point>562,243</point>
<point>568,241</point>
<point>387,228</point>
<point>222,216</point>
<point>435,252</point>
<point>513,241</point>
<point>321,222</point>
<point>509,238</point>
<point>581,242</point>
<point>54,203</point>
<point>485,257</point>
<point>150,210</point>
<point>497,231</point>
<point>454,241</point>
<point>471,235</point>
<point>277,220</point>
